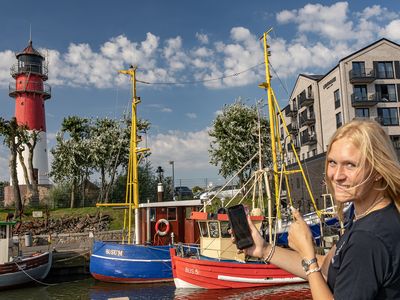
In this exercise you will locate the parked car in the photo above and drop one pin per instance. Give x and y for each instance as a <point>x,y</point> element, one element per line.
<point>183,192</point>
<point>228,192</point>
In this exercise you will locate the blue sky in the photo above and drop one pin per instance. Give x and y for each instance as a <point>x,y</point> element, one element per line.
<point>87,42</point>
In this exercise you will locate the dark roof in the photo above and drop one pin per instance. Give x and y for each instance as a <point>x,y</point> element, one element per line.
<point>30,51</point>
<point>312,76</point>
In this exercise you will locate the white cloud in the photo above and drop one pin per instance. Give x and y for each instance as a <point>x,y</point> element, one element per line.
<point>4,174</point>
<point>329,21</point>
<point>322,35</point>
<point>191,115</point>
<point>325,34</point>
<point>188,150</point>
<point>202,38</point>
<point>7,59</point>
<point>392,30</point>
<point>166,109</point>
<point>173,52</point>
<point>285,16</point>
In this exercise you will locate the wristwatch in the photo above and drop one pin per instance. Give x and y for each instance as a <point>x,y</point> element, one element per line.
<point>307,263</point>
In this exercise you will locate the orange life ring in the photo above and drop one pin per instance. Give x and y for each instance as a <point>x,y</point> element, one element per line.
<point>158,231</point>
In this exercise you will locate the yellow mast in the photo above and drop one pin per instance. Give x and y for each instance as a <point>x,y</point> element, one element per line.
<point>276,146</point>
<point>132,178</point>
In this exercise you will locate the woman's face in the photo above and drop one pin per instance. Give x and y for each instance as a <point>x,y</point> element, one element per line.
<point>344,172</point>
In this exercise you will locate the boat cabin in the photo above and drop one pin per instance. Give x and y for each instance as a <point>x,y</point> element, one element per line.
<point>6,244</point>
<point>169,222</point>
<point>215,240</point>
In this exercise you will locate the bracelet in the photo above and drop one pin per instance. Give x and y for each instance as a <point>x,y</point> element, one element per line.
<point>313,271</point>
<point>270,254</point>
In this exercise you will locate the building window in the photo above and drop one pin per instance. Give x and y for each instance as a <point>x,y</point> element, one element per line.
<point>396,141</point>
<point>336,95</point>
<point>360,93</point>
<point>385,92</point>
<point>171,213</point>
<point>358,69</point>
<point>310,92</point>
<point>388,116</point>
<point>362,112</point>
<point>338,119</point>
<point>385,69</point>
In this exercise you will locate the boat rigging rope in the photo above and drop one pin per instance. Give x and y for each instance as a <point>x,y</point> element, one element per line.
<point>204,80</point>
<point>34,279</point>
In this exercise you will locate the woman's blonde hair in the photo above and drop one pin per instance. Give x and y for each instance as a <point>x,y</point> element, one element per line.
<point>377,153</point>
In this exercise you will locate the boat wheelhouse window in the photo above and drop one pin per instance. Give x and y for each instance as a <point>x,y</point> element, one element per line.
<point>224,229</point>
<point>203,229</point>
<point>152,214</point>
<point>171,214</point>
<point>3,232</point>
<point>213,229</point>
<point>188,212</point>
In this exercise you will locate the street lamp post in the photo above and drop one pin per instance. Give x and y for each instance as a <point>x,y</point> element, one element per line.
<point>160,188</point>
<point>171,162</point>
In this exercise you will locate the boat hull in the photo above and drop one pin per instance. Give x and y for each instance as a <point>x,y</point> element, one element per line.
<point>25,270</point>
<point>127,263</point>
<point>216,274</point>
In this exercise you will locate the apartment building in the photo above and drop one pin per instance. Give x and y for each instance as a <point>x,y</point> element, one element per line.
<point>365,84</point>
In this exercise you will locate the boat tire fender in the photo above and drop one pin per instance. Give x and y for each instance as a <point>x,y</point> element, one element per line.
<point>167,227</point>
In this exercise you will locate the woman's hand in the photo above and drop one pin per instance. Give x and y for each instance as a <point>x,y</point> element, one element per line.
<point>259,246</point>
<point>300,237</point>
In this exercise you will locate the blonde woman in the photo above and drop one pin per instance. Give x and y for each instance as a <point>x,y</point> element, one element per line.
<point>362,168</point>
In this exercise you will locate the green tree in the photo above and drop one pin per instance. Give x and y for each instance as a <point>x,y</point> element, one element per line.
<point>110,149</point>
<point>29,139</point>
<point>235,136</point>
<point>71,154</point>
<point>11,132</point>
<point>147,185</point>
<point>108,143</point>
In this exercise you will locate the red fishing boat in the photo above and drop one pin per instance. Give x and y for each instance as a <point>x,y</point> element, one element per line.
<point>216,263</point>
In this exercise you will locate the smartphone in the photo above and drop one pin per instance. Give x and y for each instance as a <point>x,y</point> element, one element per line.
<point>240,226</point>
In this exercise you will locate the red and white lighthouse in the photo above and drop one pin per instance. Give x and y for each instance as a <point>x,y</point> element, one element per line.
<point>30,93</point>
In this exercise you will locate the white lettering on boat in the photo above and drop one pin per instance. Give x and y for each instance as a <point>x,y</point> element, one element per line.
<point>191,271</point>
<point>114,252</point>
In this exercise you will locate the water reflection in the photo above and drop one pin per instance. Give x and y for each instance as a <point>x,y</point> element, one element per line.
<point>288,292</point>
<point>94,290</point>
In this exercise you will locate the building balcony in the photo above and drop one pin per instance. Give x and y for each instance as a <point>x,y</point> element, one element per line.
<point>295,144</point>
<point>307,120</point>
<point>363,101</point>
<point>32,87</point>
<point>290,112</point>
<point>306,99</point>
<point>38,69</point>
<point>366,76</point>
<point>293,128</point>
<point>308,139</point>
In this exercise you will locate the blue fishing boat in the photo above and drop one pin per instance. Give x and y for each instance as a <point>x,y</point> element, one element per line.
<point>143,257</point>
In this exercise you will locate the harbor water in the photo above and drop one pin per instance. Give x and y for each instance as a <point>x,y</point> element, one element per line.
<point>88,288</point>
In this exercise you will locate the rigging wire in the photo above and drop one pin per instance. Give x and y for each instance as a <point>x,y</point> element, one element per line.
<point>276,74</point>
<point>200,81</point>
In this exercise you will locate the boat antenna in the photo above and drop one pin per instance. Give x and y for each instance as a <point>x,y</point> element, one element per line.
<point>276,145</point>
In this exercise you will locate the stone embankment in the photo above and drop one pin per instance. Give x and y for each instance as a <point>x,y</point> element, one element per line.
<point>71,224</point>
